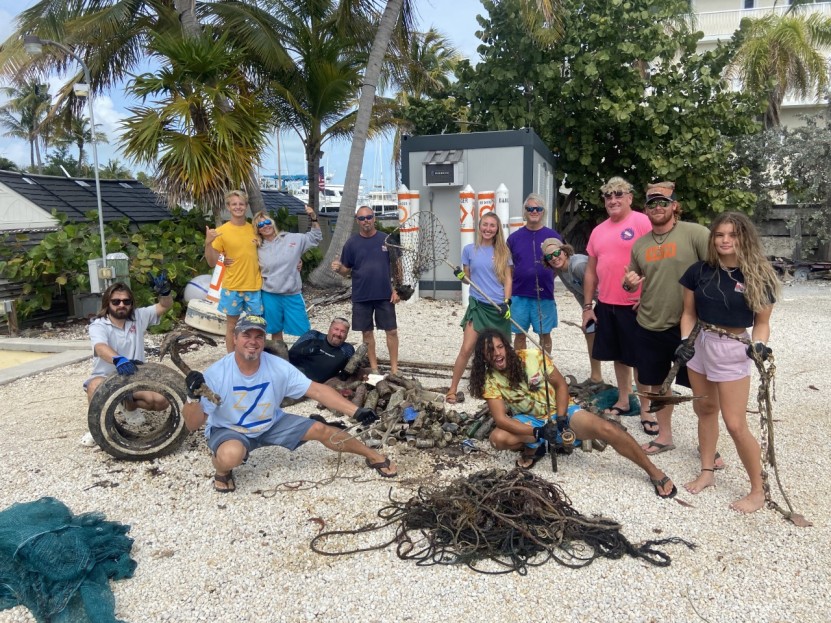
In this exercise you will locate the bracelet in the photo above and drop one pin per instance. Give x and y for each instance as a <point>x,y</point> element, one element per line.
<point>588,307</point>
<point>627,287</point>
<point>313,220</point>
<point>190,400</point>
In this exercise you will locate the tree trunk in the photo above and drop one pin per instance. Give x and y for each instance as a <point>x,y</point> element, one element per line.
<point>323,276</point>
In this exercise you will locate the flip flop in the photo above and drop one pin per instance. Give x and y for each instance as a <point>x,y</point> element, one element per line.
<point>382,465</point>
<point>653,427</point>
<point>658,484</point>
<point>534,458</point>
<point>227,480</point>
<point>716,467</point>
<point>658,448</point>
<point>617,411</point>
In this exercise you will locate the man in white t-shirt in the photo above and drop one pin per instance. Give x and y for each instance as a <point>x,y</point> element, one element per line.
<point>251,385</point>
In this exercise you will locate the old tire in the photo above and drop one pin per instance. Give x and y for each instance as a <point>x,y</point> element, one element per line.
<point>165,430</point>
<point>802,273</point>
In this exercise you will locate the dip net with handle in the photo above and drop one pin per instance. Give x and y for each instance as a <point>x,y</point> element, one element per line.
<point>416,246</point>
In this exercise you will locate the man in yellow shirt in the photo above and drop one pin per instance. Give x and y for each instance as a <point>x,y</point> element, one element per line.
<point>516,380</point>
<point>237,241</point>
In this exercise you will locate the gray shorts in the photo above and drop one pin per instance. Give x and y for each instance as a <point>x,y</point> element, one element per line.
<point>287,432</point>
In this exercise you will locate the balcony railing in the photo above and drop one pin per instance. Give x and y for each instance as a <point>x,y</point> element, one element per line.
<point>722,24</point>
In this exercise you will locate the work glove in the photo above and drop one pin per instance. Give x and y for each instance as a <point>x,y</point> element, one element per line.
<point>124,366</point>
<point>540,433</point>
<point>194,381</point>
<point>365,416</point>
<point>505,310</point>
<point>684,352</point>
<point>459,272</point>
<point>761,350</point>
<point>160,283</point>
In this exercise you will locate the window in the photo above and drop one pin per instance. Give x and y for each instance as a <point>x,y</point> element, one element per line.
<point>749,4</point>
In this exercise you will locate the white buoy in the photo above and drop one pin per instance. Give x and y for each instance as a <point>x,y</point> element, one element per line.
<point>197,288</point>
<point>467,205</point>
<point>408,206</point>
<point>216,280</point>
<point>485,202</point>
<point>503,209</point>
<point>516,223</point>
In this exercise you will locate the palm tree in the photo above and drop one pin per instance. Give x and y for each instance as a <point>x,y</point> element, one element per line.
<point>23,114</point>
<point>780,54</point>
<point>76,131</point>
<point>394,10</point>
<point>205,128</point>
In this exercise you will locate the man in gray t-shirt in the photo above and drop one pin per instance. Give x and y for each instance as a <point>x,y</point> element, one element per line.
<point>117,337</point>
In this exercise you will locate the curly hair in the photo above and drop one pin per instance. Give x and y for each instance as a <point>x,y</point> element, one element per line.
<point>482,353</point>
<point>760,280</point>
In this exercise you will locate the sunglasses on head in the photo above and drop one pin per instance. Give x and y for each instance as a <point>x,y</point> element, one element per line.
<point>614,193</point>
<point>117,302</point>
<point>368,217</point>
<point>661,203</point>
<point>264,223</point>
<point>533,209</point>
<point>550,256</point>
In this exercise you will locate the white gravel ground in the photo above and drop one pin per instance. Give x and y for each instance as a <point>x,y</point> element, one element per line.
<point>245,557</point>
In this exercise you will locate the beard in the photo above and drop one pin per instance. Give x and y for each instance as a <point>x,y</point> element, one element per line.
<point>120,313</point>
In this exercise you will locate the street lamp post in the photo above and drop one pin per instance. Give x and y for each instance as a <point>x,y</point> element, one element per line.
<point>34,46</point>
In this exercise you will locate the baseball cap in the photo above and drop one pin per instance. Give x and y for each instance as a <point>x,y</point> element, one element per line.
<point>551,244</point>
<point>250,321</point>
<point>660,190</point>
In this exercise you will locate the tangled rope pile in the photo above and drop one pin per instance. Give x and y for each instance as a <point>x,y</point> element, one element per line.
<point>514,519</point>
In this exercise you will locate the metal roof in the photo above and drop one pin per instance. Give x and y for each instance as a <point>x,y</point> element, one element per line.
<point>75,196</point>
<point>276,199</point>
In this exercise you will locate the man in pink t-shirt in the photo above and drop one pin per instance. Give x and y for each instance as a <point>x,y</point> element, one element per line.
<point>609,251</point>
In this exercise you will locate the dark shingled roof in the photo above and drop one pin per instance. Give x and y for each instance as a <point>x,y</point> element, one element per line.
<point>276,199</point>
<point>75,196</point>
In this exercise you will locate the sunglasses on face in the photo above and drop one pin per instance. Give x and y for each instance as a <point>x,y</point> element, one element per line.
<point>550,256</point>
<point>368,217</point>
<point>264,223</point>
<point>117,302</point>
<point>662,203</point>
<point>533,209</point>
<point>615,193</point>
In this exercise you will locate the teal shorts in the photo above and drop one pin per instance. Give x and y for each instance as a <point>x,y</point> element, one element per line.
<point>526,312</point>
<point>529,419</point>
<point>233,303</point>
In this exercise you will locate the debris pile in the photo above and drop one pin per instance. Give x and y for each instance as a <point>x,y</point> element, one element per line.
<point>411,414</point>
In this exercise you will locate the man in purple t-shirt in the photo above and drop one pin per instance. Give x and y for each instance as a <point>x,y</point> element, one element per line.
<point>532,299</point>
<point>365,255</point>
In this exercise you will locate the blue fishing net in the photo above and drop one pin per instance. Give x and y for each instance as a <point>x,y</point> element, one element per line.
<point>606,398</point>
<point>59,565</point>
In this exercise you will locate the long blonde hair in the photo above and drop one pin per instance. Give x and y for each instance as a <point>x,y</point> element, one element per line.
<point>760,280</point>
<point>501,253</point>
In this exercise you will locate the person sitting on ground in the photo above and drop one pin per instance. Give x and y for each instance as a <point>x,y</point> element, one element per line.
<point>322,356</point>
<point>570,267</point>
<point>516,380</point>
<point>251,385</point>
<point>117,336</point>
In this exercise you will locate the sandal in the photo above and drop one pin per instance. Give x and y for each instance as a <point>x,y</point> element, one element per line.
<point>618,412</point>
<point>382,465</point>
<point>658,484</point>
<point>539,452</point>
<point>652,427</point>
<point>227,480</point>
<point>653,447</point>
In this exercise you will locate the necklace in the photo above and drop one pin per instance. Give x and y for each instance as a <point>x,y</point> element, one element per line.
<point>661,242</point>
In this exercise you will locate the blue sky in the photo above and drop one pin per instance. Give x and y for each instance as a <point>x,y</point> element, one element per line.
<point>455,18</point>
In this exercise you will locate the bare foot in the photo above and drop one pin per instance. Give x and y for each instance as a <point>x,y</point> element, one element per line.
<point>750,503</point>
<point>705,479</point>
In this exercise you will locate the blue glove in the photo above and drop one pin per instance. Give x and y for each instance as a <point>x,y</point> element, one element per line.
<point>505,310</point>
<point>124,366</point>
<point>459,273</point>
<point>160,283</point>
<point>365,416</point>
<point>684,352</point>
<point>761,350</point>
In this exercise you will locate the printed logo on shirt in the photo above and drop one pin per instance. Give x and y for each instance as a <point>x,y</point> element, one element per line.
<point>627,234</point>
<point>739,287</point>
<point>132,329</point>
<point>661,252</point>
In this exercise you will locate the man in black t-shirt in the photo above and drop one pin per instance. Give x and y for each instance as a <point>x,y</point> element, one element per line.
<point>321,357</point>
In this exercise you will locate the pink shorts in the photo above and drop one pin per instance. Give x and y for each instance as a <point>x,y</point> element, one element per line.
<point>720,358</point>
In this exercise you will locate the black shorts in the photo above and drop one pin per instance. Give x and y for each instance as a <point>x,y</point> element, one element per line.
<point>656,350</point>
<point>615,339</point>
<point>384,312</point>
